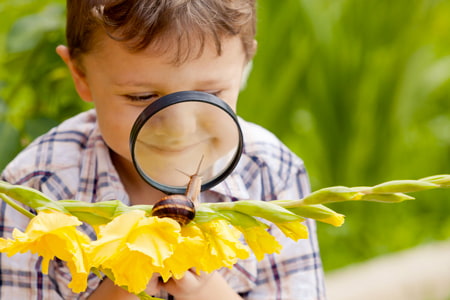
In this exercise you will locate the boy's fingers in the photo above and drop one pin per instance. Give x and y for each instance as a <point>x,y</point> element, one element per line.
<point>153,286</point>
<point>189,283</point>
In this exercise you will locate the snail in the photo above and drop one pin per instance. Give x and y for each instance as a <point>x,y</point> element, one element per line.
<point>179,207</point>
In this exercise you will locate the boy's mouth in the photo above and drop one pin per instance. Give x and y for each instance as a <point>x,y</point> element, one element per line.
<point>170,149</point>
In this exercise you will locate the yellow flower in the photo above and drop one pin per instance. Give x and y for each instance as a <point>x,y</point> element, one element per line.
<point>133,247</point>
<point>294,230</point>
<point>187,254</point>
<point>53,234</point>
<point>260,241</point>
<point>221,245</point>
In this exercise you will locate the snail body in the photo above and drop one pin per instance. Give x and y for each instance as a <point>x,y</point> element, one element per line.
<point>181,208</point>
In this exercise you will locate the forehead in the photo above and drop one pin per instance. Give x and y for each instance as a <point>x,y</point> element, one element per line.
<point>112,63</point>
<point>170,50</point>
<point>175,47</point>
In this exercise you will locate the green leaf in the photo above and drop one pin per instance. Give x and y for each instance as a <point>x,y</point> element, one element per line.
<point>204,214</point>
<point>16,206</point>
<point>30,197</point>
<point>27,32</point>
<point>95,213</point>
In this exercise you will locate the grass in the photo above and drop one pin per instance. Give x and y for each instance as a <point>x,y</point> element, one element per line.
<point>359,90</point>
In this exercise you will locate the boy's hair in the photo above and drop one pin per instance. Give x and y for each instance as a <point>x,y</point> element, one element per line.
<point>183,25</point>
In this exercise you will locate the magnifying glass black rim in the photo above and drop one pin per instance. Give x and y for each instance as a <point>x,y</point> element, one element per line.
<point>171,99</point>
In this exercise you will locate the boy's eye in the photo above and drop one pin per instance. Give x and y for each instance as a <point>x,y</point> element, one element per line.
<point>140,98</point>
<point>214,93</point>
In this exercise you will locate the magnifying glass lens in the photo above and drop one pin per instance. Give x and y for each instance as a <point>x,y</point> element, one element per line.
<point>183,134</point>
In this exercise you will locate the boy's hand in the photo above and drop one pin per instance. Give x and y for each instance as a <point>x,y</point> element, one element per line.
<point>203,286</point>
<point>190,287</point>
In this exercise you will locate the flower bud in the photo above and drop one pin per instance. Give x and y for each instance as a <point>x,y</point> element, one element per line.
<point>403,186</point>
<point>263,209</point>
<point>386,198</point>
<point>332,194</point>
<point>319,213</point>
<point>441,180</point>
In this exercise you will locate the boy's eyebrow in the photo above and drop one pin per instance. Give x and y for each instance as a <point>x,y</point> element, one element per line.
<point>133,83</point>
<point>137,83</point>
<point>211,81</point>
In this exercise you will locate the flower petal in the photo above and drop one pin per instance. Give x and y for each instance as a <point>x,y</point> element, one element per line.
<point>294,230</point>
<point>260,241</point>
<point>222,244</point>
<point>53,234</point>
<point>133,247</point>
<point>156,238</point>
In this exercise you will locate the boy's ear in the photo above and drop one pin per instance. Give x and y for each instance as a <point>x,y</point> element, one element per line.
<point>248,66</point>
<point>79,78</point>
<point>255,46</point>
<point>253,50</point>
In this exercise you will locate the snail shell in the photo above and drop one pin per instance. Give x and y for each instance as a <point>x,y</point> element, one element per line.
<point>178,207</point>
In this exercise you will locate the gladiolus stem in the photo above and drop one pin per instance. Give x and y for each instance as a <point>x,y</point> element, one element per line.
<point>16,206</point>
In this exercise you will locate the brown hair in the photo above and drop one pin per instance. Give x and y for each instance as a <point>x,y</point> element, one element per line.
<point>139,23</point>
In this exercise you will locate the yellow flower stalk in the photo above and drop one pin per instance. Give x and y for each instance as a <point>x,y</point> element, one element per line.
<point>53,234</point>
<point>132,246</point>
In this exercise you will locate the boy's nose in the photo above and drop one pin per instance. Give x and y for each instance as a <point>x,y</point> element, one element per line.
<point>177,120</point>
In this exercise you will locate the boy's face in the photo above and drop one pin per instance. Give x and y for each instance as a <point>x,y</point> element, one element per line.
<point>121,84</point>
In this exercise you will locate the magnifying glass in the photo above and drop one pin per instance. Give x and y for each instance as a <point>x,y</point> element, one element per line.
<point>182,134</point>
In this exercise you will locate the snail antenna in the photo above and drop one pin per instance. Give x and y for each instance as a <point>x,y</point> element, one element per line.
<point>196,172</point>
<point>199,164</point>
<point>184,173</point>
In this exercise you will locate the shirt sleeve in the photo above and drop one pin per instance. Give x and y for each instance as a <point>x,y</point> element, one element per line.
<point>21,275</point>
<point>270,171</point>
<point>295,273</point>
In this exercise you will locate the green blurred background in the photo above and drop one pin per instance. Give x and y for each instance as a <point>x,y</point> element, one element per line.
<point>358,88</point>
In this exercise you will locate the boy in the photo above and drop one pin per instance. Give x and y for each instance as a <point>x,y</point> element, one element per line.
<point>123,55</point>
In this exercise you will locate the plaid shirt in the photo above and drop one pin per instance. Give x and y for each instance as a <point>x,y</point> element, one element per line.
<point>73,162</point>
